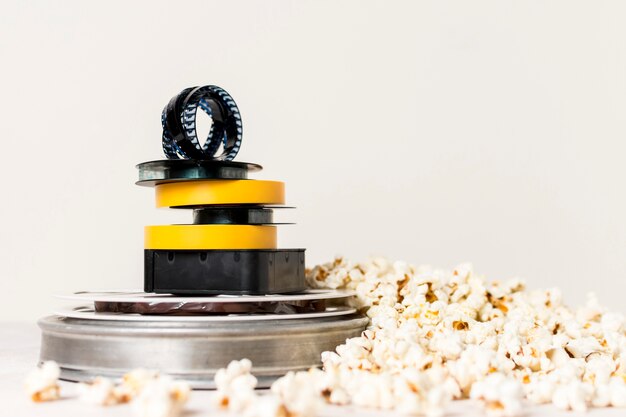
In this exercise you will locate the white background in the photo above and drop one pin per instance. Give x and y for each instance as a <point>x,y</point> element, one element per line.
<point>434,132</point>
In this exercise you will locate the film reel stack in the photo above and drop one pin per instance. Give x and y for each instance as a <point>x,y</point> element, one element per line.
<point>215,290</point>
<point>231,247</point>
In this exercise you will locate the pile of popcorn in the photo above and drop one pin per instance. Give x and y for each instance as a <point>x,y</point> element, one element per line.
<point>437,336</point>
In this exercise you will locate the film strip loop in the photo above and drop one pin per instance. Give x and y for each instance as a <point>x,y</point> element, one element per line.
<point>180,138</point>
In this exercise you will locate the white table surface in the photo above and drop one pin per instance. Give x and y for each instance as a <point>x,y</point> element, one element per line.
<point>19,350</point>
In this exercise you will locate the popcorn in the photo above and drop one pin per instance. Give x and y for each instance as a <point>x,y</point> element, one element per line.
<point>102,391</point>
<point>500,395</point>
<point>448,343</point>
<point>495,342</point>
<point>134,381</point>
<point>583,347</point>
<point>296,394</point>
<point>235,369</point>
<point>300,392</point>
<point>161,397</point>
<point>153,395</point>
<point>235,386</point>
<point>42,383</point>
<point>573,395</point>
<point>266,406</point>
<point>599,369</point>
<point>434,336</point>
<point>617,392</point>
<point>539,390</point>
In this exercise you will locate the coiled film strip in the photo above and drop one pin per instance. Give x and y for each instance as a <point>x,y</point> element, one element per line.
<point>180,138</point>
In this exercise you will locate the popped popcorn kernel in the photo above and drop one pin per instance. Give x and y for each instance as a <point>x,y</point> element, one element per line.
<point>161,397</point>
<point>267,406</point>
<point>501,396</point>
<point>42,382</point>
<point>134,381</point>
<point>235,386</point>
<point>101,391</point>
<point>300,392</point>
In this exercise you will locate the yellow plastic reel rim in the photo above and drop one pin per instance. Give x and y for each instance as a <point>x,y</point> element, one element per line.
<point>219,192</point>
<point>210,236</point>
